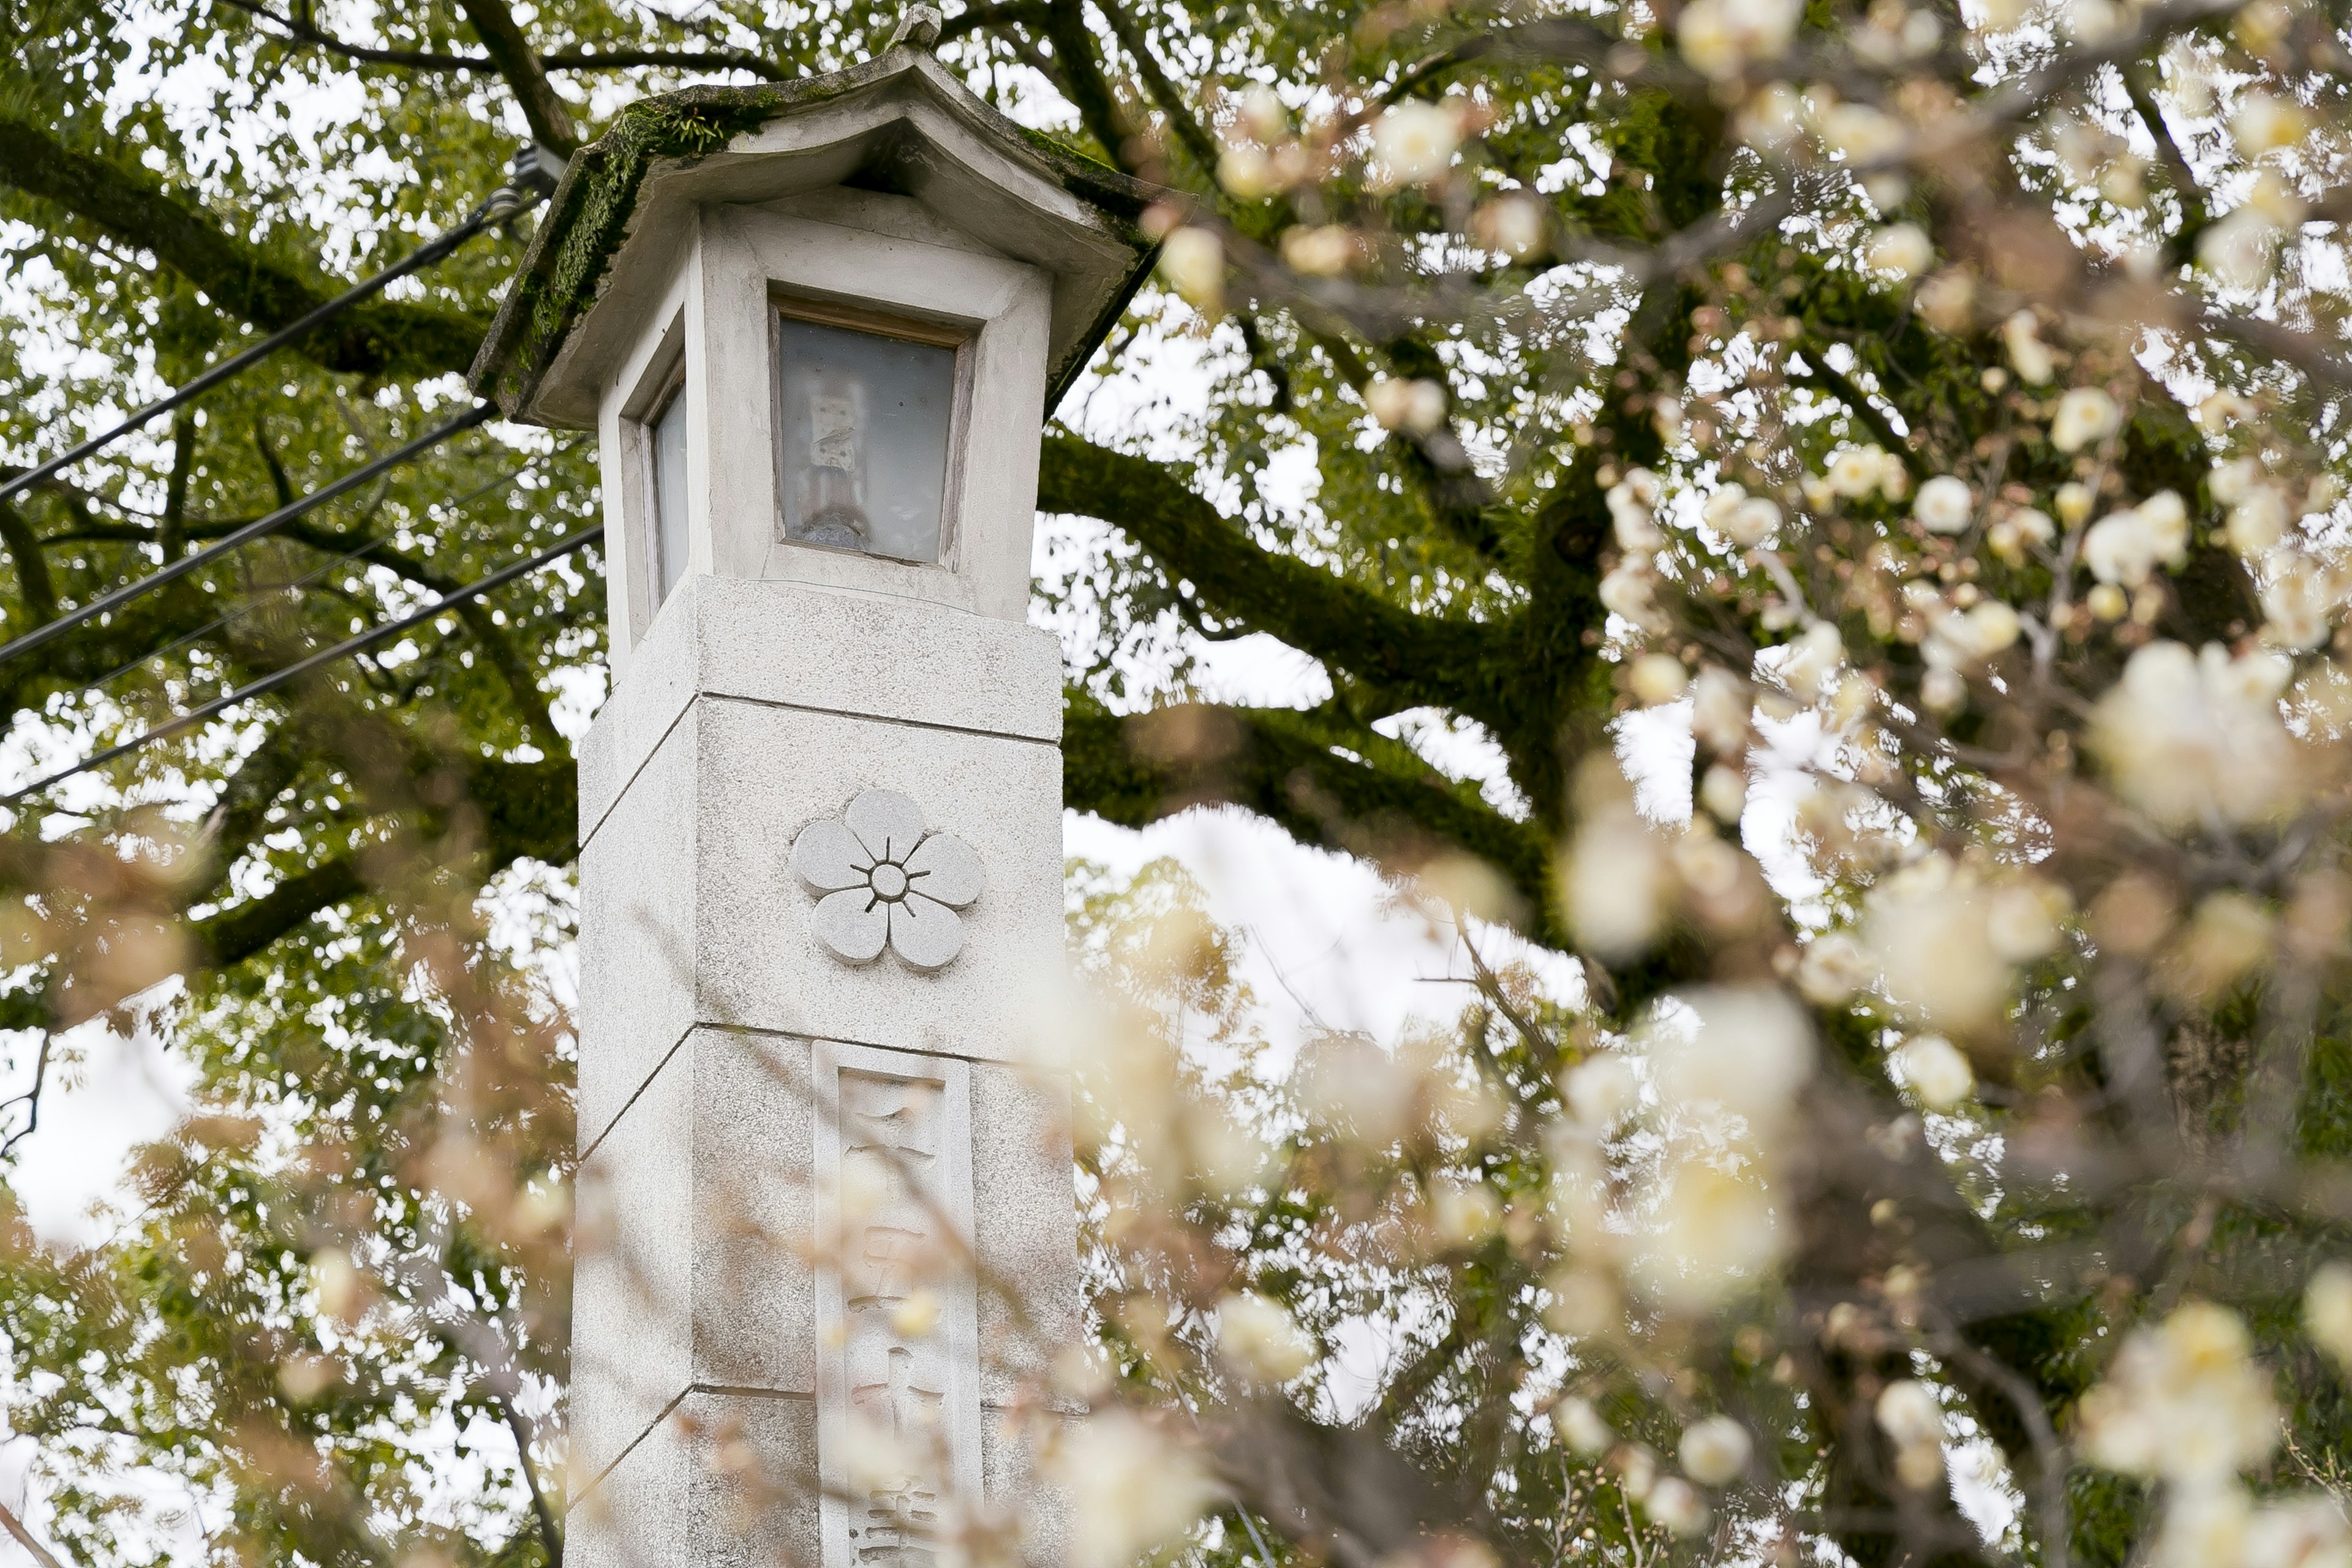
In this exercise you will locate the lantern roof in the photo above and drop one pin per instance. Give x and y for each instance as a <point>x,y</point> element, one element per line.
<point>900,124</point>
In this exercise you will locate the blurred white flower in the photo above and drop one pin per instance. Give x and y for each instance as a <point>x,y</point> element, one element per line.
<point>1631,503</point>
<point>1832,969</point>
<point>1723,792</point>
<point>2204,1527</point>
<point>1945,505</point>
<point>2031,356</point>
<point>1749,1049</point>
<point>1863,133</point>
<point>1323,251</point>
<point>2328,1310</point>
<point>1193,262</point>
<point>1677,1504</point>
<point>1746,521</point>
<point>1601,1090</point>
<point>1514,225</point>
<point>2307,1532</point>
<point>2021,919</point>
<point>1580,1427</point>
<point>1936,1070</point>
<point>1901,250</point>
<point>1711,1233</point>
<point>2126,547</point>
<point>1131,1490</point>
<point>1630,592</point>
<point>1928,930</point>
<point>1415,405</point>
<point>2257,518</point>
<point>1656,678</point>
<point>2086,413</point>
<point>2183,1401</point>
<point>2188,733</point>
<point>1721,37</point>
<point>1856,472</point>
<point>1715,1451</point>
<point>1619,884</point>
<point>2265,121</point>
<point>2299,596</point>
<point>1943,689</point>
<point>2025,528</point>
<point>1259,1335</point>
<point>1720,710</point>
<point>2241,250</point>
<point>1414,142</point>
<point>1813,657</point>
<point>1965,640</point>
<point>1909,1413</point>
<point>1465,1212</point>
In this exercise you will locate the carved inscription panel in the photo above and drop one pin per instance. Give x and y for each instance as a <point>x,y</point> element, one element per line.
<point>899,1362</point>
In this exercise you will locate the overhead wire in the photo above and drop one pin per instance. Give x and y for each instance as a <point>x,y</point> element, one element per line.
<point>528,182</point>
<point>254,601</point>
<point>358,643</point>
<point>51,630</point>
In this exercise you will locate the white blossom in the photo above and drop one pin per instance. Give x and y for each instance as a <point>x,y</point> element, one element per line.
<point>1677,1504</point>
<point>2328,1310</point>
<point>1580,1425</point>
<point>1812,659</point>
<point>2299,596</point>
<point>1258,1334</point>
<point>1928,931</point>
<point>2126,547</point>
<point>1721,37</point>
<point>1720,710</point>
<point>1601,1090</point>
<point>2031,357</point>
<point>1901,248</point>
<point>1936,1070</point>
<point>1749,1049</point>
<point>2187,733</point>
<point>1831,969</point>
<point>2086,413</point>
<point>1415,405</point>
<point>1656,678</point>
<point>1414,141</point>
<point>1630,591</point>
<point>1715,1451</point>
<point>1945,505</point>
<point>2183,1401</point>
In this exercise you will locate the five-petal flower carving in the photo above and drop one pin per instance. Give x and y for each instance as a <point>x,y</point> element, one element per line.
<point>881,880</point>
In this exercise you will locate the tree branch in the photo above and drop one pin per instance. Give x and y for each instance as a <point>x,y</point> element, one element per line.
<point>1428,659</point>
<point>383,337</point>
<point>549,116</point>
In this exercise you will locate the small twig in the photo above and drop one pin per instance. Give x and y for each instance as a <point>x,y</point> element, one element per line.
<point>16,1527</point>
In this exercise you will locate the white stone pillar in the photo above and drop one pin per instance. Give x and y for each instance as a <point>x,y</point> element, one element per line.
<point>827,1223</point>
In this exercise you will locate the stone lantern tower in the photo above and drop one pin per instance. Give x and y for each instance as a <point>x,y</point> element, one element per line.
<point>826,1217</point>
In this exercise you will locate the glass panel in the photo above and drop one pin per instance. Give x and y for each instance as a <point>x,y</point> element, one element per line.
<point>865,438</point>
<point>669,545</point>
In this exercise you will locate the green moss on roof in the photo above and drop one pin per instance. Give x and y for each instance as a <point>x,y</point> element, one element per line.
<point>588,217</point>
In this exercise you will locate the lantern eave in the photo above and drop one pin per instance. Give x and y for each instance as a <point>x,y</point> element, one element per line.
<point>901,125</point>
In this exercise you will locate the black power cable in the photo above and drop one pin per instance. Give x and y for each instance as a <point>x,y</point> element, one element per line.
<point>528,182</point>
<point>42,636</point>
<point>324,657</point>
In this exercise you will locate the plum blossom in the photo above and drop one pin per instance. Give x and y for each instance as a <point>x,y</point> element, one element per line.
<point>2184,1402</point>
<point>1414,141</point>
<point>1909,1413</point>
<point>2328,1310</point>
<point>1632,502</point>
<point>2085,414</point>
<point>1936,1070</point>
<point>1258,1334</point>
<point>1580,1425</point>
<point>1715,1451</point>
<point>2185,734</point>
<point>1720,37</point>
<point>1929,933</point>
<point>1746,521</point>
<point>2126,547</point>
<point>1945,505</point>
<point>882,880</point>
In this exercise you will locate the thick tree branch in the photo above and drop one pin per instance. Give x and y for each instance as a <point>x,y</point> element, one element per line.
<point>1276,763</point>
<point>1447,663</point>
<point>544,108</point>
<point>376,339</point>
<point>302,30</point>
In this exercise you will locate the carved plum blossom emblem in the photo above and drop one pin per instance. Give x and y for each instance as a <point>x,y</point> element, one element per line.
<point>882,880</point>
